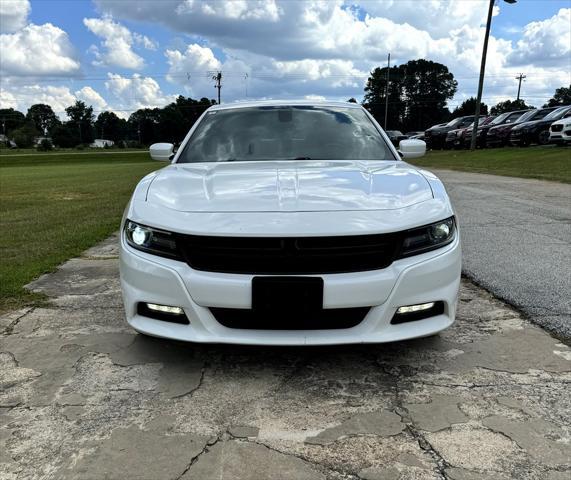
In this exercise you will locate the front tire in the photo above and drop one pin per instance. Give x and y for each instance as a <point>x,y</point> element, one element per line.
<point>543,137</point>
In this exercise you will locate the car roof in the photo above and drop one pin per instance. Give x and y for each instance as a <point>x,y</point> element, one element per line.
<point>284,103</point>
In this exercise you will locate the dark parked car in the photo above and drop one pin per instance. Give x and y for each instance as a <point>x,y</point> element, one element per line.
<point>396,136</point>
<point>482,132</point>
<point>435,137</point>
<point>457,138</point>
<point>414,134</point>
<point>499,135</point>
<point>537,131</point>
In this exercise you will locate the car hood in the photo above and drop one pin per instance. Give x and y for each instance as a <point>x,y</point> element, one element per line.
<point>295,186</point>
<point>533,123</point>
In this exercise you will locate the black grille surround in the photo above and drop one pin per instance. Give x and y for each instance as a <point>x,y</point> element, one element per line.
<point>325,319</point>
<point>290,255</point>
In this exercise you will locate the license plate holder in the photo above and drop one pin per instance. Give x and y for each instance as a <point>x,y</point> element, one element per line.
<point>289,294</point>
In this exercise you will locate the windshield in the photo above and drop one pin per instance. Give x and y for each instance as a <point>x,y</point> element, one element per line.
<point>557,114</point>
<point>500,118</point>
<point>531,113</point>
<point>453,123</point>
<point>285,133</point>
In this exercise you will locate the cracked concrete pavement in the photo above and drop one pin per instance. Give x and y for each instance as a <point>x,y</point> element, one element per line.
<point>84,397</point>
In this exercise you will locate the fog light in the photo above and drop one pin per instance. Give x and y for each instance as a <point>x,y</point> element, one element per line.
<point>415,308</point>
<point>165,309</point>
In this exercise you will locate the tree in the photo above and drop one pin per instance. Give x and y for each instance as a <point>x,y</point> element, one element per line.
<point>66,135</point>
<point>10,120</point>
<point>352,100</point>
<point>109,126</point>
<point>510,106</point>
<point>468,107</point>
<point>82,117</point>
<point>376,96</point>
<point>562,96</point>
<point>43,117</point>
<point>25,135</point>
<point>418,92</point>
<point>427,87</point>
<point>143,125</point>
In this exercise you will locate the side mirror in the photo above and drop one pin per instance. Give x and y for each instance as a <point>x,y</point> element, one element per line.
<point>412,148</point>
<point>163,152</point>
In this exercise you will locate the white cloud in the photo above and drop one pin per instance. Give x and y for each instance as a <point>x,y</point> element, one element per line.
<point>13,15</point>
<point>266,10</point>
<point>22,97</point>
<point>136,92</point>
<point>91,97</point>
<point>117,43</point>
<point>547,42</point>
<point>194,59</point>
<point>37,50</point>
<point>437,17</point>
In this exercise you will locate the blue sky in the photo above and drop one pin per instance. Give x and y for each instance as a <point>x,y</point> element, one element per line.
<point>130,54</point>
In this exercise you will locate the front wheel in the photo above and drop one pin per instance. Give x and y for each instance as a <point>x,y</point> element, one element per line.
<point>543,137</point>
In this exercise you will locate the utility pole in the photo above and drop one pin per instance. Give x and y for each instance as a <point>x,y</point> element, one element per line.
<point>520,77</point>
<point>482,72</point>
<point>387,93</point>
<point>218,79</point>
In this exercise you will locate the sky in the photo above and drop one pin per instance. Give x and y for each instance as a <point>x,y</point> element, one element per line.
<point>122,55</point>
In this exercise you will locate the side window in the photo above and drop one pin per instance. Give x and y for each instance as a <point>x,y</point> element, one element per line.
<point>568,114</point>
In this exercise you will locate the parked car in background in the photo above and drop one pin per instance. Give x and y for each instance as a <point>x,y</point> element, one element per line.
<point>279,224</point>
<point>395,137</point>
<point>482,132</point>
<point>560,131</point>
<point>419,136</point>
<point>537,131</point>
<point>413,134</point>
<point>435,137</point>
<point>499,136</point>
<point>457,138</point>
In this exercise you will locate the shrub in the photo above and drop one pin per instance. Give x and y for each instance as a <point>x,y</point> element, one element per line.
<point>45,146</point>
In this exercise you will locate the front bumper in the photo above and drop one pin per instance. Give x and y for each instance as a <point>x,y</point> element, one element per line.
<point>433,276</point>
<point>562,136</point>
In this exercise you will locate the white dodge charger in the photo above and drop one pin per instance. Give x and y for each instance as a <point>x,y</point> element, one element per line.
<point>289,223</point>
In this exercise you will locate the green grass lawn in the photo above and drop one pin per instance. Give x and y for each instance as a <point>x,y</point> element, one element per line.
<point>52,207</point>
<point>544,163</point>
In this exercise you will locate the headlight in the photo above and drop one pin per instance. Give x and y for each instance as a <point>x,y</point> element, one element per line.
<point>151,240</point>
<point>429,237</point>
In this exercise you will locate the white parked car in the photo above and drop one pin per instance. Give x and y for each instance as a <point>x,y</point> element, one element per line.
<point>289,223</point>
<point>560,131</point>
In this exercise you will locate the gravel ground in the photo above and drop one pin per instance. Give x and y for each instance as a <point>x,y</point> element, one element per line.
<point>516,237</point>
<point>82,396</point>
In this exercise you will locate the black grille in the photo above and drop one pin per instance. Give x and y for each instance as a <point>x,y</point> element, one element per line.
<point>326,319</point>
<point>556,128</point>
<point>304,255</point>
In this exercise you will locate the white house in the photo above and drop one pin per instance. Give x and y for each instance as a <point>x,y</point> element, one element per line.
<point>101,143</point>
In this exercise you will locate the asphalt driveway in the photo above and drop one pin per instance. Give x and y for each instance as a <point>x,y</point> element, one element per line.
<point>84,397</point>
<point>516,236</point>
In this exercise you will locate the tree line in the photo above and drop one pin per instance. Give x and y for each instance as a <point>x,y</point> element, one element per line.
<point>143,127</point>
<point>417,99</point>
